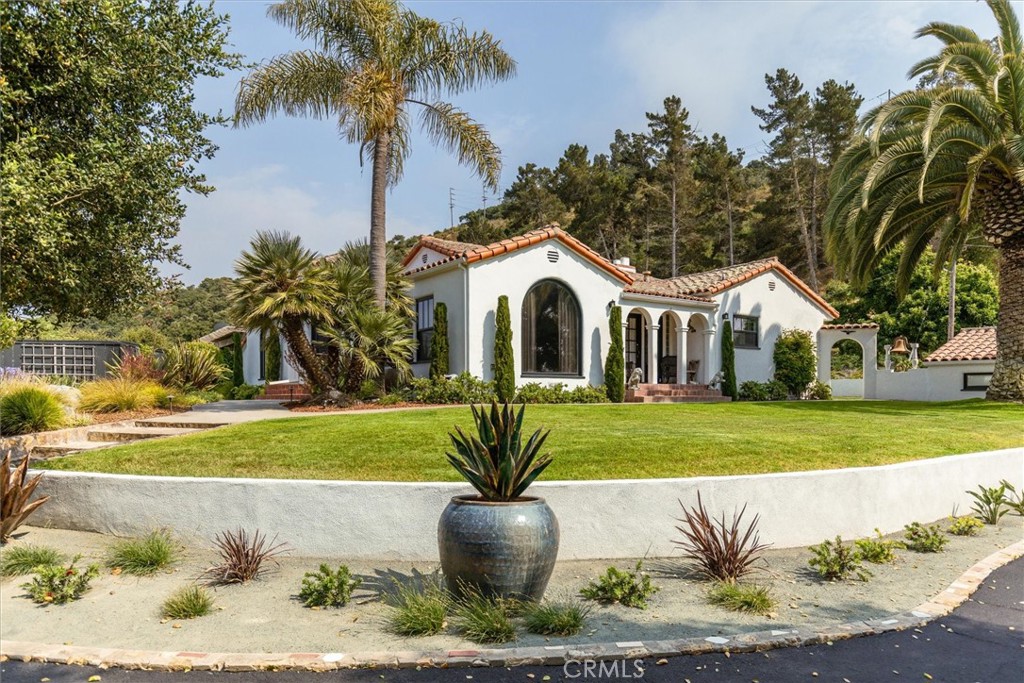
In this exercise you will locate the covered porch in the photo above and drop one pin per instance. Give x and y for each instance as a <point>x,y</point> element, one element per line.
<point>670,344</point>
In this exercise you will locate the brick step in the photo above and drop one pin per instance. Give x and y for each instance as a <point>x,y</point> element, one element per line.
<point>295,391</point>
<point>123,434</point>
<point>677,392</point>
<point>56,450</point>
<point>678,399</point>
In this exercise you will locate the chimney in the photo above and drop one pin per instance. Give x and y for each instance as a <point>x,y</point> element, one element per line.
<point>623,264</point>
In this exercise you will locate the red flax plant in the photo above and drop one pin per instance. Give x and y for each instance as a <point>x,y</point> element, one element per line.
<point>242,556</point>
<point>719,552</point>
<point>15,491</point>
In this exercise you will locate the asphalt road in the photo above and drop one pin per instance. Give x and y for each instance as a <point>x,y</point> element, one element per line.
<point>981,642</point>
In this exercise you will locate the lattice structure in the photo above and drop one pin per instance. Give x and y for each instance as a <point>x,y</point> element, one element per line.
<point>59,359</point>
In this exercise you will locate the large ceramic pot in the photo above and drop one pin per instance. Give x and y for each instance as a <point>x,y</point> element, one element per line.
<point>503,549</point>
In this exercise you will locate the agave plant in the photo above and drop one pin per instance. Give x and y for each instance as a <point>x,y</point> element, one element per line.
<point>15,492</point>
<point>497,463</point>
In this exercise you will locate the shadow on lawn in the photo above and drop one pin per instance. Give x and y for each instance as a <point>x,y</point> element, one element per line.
<point>889,408</point>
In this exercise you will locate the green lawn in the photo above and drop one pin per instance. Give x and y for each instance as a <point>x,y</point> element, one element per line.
<point>587,441</point>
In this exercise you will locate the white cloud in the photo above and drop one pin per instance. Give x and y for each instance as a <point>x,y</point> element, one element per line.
<point>715,55</point>
<point>217,227</point>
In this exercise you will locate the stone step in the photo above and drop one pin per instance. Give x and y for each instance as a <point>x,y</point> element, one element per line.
<point>179,424</point>
<point>55,450</point>
<point>135,433</point>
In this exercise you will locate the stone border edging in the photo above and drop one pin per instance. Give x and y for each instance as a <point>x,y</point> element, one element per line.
<point>757,641</point>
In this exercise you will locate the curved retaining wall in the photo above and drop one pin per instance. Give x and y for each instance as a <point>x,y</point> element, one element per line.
<point>599,519</point>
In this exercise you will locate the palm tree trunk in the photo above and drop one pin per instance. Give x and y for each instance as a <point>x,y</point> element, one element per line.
<point>378,215</point>
<point>1008,379</point>
<point>300,346</point>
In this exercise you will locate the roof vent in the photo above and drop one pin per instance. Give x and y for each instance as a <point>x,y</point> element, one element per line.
<point>552,256</point>
<point>771,285</point>
<point>424,257</point>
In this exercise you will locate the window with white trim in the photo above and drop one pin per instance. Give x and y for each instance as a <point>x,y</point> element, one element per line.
<point>424,328</point>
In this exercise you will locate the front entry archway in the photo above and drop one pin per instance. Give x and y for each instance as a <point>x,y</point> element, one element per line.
<point>636,340</point>
<point>696,350</point>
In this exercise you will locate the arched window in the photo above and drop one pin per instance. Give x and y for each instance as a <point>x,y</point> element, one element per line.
<point>551,330</point>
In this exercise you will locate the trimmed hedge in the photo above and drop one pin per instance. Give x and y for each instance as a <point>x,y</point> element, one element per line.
<point>614,367</point>
<point>439,342</point>
<point>504,361</point>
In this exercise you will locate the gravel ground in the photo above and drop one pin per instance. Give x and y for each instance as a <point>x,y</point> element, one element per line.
<point>265,616</point>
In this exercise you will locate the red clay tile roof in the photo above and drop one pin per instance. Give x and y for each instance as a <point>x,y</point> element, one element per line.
<point>695,287</point>
<point>971,343</point>
<point>714,281</point>
<point>472,253</point>
<point>851,326</point>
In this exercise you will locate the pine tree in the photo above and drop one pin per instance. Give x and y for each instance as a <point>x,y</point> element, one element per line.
<point>439,343</point>
<point>504,362</point>
<point>614,369</point>
<point>237,370</point>
<point>728,362</point>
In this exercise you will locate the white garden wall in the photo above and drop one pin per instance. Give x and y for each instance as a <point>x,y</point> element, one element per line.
<point>932,382</point>
<point>599,519</point>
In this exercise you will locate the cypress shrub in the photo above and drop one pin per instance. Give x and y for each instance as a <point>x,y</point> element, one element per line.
<point>237,371</point>
<point>439,343</point>
<point>504,362</point>
<point>794,361</point>
<point>728,362</point>
<point>272,349</point>
<point>614,367</point>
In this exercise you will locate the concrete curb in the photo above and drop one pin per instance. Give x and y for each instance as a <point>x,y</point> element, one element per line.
<point>940,605</point>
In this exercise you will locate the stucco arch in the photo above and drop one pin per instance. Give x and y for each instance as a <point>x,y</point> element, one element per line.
<point>865,334</point>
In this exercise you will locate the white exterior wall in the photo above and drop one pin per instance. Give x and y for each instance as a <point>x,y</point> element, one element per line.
<point>513,275</point>
<point>784,308</point>
<point>446,286</point>
<point>251,359</point>
<point>933,382</point>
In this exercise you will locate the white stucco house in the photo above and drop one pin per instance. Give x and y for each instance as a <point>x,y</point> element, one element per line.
<point>561,292</point>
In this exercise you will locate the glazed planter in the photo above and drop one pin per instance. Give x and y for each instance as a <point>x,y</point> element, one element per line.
<point>504,549</point>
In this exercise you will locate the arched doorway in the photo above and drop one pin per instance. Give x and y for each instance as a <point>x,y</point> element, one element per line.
<point>696,350</point>
<point>846,368</point>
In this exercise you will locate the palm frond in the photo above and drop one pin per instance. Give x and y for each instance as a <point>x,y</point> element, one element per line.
<point>453,129</point>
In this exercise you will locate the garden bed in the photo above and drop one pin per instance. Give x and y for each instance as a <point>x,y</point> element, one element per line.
<point>265,616</point>
<point>602,441</point>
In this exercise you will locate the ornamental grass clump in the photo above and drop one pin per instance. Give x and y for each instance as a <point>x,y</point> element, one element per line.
<point>555,618</point>
<point>25,559</point>
<point>740,597</point>
<point>243,556</point>
<point>419,610</point>
<point>496,461</point>
<point>30,409</point>
<point>187,603</point>
<point>716,550</point>
<point>143,556</point>
<point>16,491</point>
<point>483,619</point>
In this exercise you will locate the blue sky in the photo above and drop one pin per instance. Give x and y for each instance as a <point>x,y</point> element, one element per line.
<point>585,69</point>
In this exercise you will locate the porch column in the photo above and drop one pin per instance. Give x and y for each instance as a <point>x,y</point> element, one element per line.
<point>652,354</point>
<point>704,373</point>
<point>681,332</point>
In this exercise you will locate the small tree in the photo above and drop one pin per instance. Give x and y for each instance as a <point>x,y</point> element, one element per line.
<point>614,368</point>
<point>728,362</point>
<point>504,362</point>
<point>237,370</point>
<point>439,343</point>
<point>272,359</point>
<point>794,360</point>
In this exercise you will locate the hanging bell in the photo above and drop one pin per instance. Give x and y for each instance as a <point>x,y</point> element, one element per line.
<point>899,345</point>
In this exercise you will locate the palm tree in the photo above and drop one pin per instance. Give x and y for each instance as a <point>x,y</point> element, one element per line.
<point>282,285</point>
<point>373,61</point>
<point>933,165</point>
